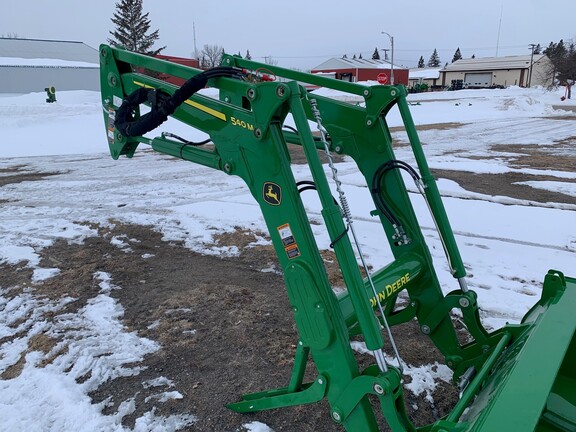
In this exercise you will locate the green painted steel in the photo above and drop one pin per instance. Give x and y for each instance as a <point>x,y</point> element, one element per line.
<point>246,126</point>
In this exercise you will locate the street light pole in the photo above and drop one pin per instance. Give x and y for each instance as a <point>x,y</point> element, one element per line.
<point>392,61</point>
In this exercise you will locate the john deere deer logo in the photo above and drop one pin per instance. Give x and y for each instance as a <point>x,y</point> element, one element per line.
<point>272,193</point>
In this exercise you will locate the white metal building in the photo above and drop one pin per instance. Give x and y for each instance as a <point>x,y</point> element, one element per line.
<point>31,65</point>
<point>428,76</point>
<point>523,71</point>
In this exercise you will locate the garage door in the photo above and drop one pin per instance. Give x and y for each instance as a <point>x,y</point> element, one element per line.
<point>478,80</point>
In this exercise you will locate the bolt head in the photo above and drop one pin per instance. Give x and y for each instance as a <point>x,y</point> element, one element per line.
<point>336,416</point>
<point>378,389</point>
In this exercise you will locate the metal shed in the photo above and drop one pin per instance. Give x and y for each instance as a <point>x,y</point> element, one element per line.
<point>523,71</point>
<point>427,76</point>
<point>31,65</point>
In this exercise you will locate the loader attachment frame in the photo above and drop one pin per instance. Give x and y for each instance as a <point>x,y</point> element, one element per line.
<point>246,125</point>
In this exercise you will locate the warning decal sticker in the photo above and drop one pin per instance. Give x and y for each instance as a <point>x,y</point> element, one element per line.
<point>288,241</point>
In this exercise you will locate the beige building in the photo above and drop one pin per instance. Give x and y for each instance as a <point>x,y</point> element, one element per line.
<point>523,71</point>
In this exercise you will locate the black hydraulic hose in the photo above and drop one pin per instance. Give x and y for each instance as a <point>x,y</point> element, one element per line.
<point>305,185</point>
<point>394,163</point>
<point>378,198</point>
<point>377,188</point>
<point>163,104</point>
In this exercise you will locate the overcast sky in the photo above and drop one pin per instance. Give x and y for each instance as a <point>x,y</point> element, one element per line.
<point>304,33</point>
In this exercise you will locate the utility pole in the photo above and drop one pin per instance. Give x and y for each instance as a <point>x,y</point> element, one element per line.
<point>385,53</point>
<point>391,61</point>
<point>532,46</point>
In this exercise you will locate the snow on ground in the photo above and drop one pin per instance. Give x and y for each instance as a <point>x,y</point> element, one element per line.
<point>507,249</point>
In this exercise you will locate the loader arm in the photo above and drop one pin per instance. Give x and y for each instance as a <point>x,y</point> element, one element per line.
<point>247,125</point>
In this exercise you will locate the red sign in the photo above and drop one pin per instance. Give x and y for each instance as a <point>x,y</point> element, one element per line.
<point>382,78</point>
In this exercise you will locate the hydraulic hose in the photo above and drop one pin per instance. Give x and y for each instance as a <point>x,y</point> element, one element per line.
<point>162,103</point>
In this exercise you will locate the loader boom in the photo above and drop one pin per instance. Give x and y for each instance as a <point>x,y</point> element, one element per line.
<point>247,126</point>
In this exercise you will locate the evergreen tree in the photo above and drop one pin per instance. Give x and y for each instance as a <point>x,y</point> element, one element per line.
<point>538,49</point>
<point>457,55</point>
<point>248,56</point>
<point>344,56</point>
<point>421,64</point>
<point>563,59</point>
<point>354,56</point>
<point>473,56</point>
<point>434,60</point>
<point>360,56</point>
<point>376,54</point>
<point>132,27</point>
<point>555,51</point>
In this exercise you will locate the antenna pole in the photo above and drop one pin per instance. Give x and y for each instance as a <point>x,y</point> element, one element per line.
<point>499,27</point>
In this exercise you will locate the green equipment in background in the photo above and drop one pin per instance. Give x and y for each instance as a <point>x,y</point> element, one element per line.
<point>51,94</point>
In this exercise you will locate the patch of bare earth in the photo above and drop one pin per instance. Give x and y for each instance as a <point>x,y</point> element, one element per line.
<point>557,157</point>
<point>19,174</point>
<point>225,327</point>
<point>434,126</point>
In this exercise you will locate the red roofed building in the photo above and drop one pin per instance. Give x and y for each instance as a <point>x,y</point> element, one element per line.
<point>355,70</point>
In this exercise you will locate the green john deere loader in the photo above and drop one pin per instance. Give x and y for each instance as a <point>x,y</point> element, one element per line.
<point>521,377</point>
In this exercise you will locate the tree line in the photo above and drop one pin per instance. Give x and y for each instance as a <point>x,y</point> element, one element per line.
<point>133,32</point>
<point>563,63</point>
<point>435,62</point>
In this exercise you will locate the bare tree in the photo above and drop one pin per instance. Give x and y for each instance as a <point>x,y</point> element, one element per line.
<point>10,35</point>
<point>269,60</point>
<point>211,56</point>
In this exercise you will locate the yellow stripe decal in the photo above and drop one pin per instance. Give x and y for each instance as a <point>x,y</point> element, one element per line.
<point>142,84</point>
<point>207,110</point>
<point>196,105</point>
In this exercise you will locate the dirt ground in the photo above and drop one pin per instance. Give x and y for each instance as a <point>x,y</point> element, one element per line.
<point>225,327</point>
